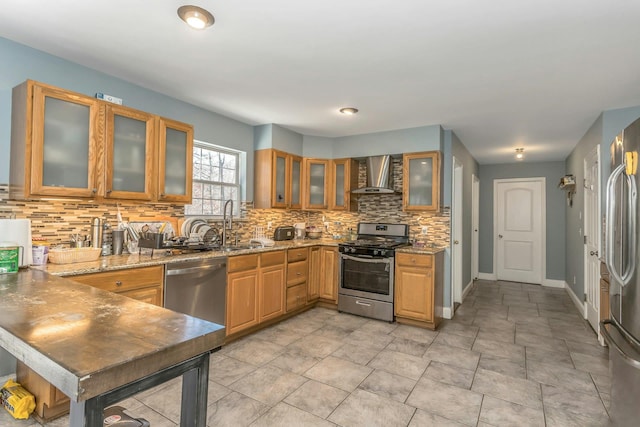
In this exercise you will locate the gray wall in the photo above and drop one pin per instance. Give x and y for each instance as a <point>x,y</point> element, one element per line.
<point>20,63</point>
<point>602,132</point>
<point>318,146</point>
<point>453,147</point>
<point>555,215</point>
<point>425,138</point>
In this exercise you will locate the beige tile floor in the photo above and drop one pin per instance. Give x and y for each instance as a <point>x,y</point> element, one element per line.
<point>515,355</point>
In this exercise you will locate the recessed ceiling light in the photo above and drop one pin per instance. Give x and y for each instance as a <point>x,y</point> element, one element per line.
<point>349,111</point>
<point>196,17</point>
<point>519,153</point>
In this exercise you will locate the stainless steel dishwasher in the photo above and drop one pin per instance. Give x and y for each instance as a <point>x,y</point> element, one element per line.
<point>197,288</point>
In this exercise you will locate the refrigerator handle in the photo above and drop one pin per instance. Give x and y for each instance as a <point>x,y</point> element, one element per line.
<point>613,344</point>
<point>624,278</point>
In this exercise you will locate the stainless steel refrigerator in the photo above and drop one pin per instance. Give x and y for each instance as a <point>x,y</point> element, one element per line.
<point>622,330</point>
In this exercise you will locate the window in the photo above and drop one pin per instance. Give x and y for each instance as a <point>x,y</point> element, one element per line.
<point>216,179</point>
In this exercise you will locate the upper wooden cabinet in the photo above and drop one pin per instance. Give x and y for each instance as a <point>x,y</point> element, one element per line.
<point>421,181</point>
<point>175,165</point>
<point>54,143</point>
<point>344,178</point>
<point>278,180</point>
<point>316,183</point>
<point>69,145</point>
<point>130,138</point>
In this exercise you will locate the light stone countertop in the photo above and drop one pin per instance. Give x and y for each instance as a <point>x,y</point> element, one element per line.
<point>160,257</point>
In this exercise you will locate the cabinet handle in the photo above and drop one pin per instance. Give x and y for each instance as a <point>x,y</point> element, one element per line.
<point>298,274</point>
<point>109,191</point>
<point>94,190</point>
<point>162,194</point>
<point>118,283</point>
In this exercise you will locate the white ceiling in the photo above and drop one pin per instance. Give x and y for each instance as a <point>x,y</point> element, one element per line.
<point>500,73</point>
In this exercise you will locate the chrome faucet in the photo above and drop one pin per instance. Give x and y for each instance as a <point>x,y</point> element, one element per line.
<point>224,221</point>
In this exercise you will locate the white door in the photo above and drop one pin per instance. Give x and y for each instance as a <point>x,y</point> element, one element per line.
<point>475,224</point>
<point>456,233</point>
<point>519,219</point>
<point>592,236</point>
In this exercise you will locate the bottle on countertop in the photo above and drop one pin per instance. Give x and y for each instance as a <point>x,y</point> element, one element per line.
<point>106,239</point>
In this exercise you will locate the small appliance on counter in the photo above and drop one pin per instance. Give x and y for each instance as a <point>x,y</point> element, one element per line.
<point>18,232</point>
<point>284,233</point>
<point>301,230</point>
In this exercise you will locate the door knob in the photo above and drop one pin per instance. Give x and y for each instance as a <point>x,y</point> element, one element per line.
<point>592,253</point>
<point>455,242</point>
<point>499,236</point>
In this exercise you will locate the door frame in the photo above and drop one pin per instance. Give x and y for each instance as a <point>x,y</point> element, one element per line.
<point>475,226</point>
<point>543,227</point>
<point>598,215</point>
<point>457,187</point>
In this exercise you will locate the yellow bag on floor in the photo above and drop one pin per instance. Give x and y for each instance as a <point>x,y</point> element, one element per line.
<point>18,401</point>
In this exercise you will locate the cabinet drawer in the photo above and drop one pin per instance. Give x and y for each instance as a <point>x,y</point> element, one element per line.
<point>297,272</point>
<point>414,260</point>
<point>299,254</point>
<point>122,280</point>
<point>242,262</point>
<point>268,259</point>
<point>296,296</point>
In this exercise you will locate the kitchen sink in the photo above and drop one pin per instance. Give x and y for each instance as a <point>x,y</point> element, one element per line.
<point>238,248</point>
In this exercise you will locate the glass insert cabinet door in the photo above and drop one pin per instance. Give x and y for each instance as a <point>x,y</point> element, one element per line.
<point>316,183</point>
<point>130,138</point>
<point>63,161</point>
<point>421,176</point>
<point>295,201</point>
<point>280,178</point>
<point>176,161</point>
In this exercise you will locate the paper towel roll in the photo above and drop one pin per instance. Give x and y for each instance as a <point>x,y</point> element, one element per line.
<point>19,231</point>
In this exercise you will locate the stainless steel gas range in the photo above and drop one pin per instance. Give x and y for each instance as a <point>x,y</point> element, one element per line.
<point>366,273</point>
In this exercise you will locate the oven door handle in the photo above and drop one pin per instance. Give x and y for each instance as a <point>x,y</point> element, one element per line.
<point>369,260</point>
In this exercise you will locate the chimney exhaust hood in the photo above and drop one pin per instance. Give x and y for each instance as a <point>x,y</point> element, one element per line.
<point>379,176</point>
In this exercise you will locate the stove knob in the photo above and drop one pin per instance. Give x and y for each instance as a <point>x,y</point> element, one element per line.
<point>375,252</point>
<point>353,250</point>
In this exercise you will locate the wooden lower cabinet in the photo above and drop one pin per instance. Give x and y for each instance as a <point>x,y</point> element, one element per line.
<point>297,278</point>
<point>144,284</point>
<point>271,292</point>
<point>329,259</point>
<point>255,290</point>
<point>418,289</point>
<point>315,279</point>
<point>296,297</point>
<point>242,300</point>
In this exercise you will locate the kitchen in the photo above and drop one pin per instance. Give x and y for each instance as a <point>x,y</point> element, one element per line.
<point>59,219</point>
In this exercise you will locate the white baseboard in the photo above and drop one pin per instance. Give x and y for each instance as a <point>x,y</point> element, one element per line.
<point>487,276</point>
<point>468,289</point>
<point>447,312</point>
<point>580,305</point>
<point>551,283</point>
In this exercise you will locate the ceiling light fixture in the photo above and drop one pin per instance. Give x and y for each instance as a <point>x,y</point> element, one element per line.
<point>519,153</point>
<point>349,111</point>
<point>196,17</point>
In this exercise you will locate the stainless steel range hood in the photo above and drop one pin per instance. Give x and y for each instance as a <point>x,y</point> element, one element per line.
<point>379,176</point>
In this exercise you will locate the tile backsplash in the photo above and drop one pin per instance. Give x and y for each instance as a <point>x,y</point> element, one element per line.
<point>57,220</point>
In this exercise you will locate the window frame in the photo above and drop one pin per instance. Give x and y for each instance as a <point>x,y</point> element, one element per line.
<point>238,179</point>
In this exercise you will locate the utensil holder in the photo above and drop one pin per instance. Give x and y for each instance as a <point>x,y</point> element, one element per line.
<point>151,240</point>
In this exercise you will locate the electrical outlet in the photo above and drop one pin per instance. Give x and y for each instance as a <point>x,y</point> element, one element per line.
<point>326,225</point>
<point>425,229</point>
<point>269,225</point>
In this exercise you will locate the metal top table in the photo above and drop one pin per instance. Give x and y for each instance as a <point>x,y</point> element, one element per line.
<point>97,346</point>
